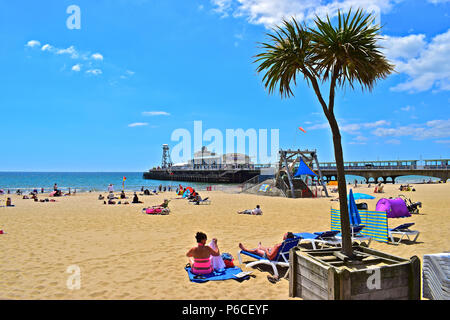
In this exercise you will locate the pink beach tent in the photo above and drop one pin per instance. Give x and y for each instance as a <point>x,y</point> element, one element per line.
<point>395,208</point>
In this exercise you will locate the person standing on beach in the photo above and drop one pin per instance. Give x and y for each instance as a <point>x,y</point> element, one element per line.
<point>110,188</point>
<point>55,187</point>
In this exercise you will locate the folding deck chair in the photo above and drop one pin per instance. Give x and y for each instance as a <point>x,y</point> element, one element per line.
<point>357,236</point>
<point>281,259</point>
<point>323,238</point>
<point>402,231</point>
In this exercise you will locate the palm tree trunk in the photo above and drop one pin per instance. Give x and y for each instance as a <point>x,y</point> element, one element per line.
<point>342,188</point>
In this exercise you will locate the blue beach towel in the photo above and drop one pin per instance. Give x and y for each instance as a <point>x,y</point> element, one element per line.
<point>226,274</point>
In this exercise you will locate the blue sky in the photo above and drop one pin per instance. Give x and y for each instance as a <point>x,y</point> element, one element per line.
<point>107,96</point>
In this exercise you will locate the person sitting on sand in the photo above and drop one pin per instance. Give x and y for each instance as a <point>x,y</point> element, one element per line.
<point>136,199</point>
<point>111,196</point>
<point>122,195</point>
<point>101,197</point>
<point>257,211</point>
<point>163,205</point>
<point>199,256</point>
<point>267,252</point>
<point>9,202</point>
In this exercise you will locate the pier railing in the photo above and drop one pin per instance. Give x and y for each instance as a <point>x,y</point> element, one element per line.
<point>216,167</point>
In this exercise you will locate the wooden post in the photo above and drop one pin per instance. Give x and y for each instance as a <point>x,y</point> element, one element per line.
<point>291,185</point>
<point>320,175</point>
<point>414,281</point>
<point>345,285</point>
<point>293,273</point>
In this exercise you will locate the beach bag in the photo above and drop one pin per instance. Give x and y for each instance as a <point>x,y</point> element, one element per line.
<point>217,262</point>
<point>228,260</point>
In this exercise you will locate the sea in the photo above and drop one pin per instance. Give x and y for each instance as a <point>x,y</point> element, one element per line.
<point>99,181</point>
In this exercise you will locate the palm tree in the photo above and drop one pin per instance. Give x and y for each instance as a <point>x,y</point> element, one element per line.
<point>337,55</point>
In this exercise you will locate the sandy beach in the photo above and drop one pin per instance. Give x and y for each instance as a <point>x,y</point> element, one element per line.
<point>125,254</point>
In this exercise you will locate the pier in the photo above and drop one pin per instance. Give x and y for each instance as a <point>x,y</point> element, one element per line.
<point>207,174</point>
<point>438,168</point>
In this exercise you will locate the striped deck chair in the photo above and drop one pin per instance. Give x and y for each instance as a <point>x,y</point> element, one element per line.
<point>281,259</point>
<point>403,231</point>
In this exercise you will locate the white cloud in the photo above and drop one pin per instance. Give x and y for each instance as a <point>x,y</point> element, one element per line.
<point>270,12</point>
<point>407,108</point>
<point>378,123</point>
<point>33,43</point>
<point>427,67</point>
<point>443,141</point>
<point>94,72</point>
<point>138,124</point>
<point>352,128</point>
<point>69,51</point>
<point>97,56</point>
<point>155,113</point>
<point>359,140</point>
<point>429,130</point>
<point>319,126</point>
<point>402,47</point>
<point>76,68</point>
<point>393,141</point>
<point>46,47</point>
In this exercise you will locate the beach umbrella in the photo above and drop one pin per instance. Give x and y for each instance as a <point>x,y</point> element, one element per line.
<point>355,219</point>
<point>360,196</point>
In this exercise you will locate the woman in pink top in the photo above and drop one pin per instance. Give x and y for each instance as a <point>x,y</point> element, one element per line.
<point>199,256</point>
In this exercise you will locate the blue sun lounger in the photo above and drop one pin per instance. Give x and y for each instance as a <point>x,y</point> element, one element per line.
<point>281,259</point>
<point>323,238</point>
<point>402,231</point>
<point>357,236</point>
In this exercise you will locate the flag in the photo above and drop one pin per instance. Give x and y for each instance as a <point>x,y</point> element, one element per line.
<point>124,178</point>
<point>302,129</point>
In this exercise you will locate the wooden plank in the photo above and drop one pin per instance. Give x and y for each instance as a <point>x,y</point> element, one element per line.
<point>414,279</point>
<point>382,254</point>
<point>306,262</point>
<point>390,271</point>
<point>309,295</point>
<point>384,294</point>
<point>385,284</point>
<point>333,284</point>
<point>319,279</point>
<point>345,285</point>
<point>314,288</point>
<point>293,266</point>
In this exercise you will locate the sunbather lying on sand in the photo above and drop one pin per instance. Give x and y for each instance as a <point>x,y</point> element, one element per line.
<point>199,255</point>
<point>267,252</point>
<point>256,211</point>
<point>163,205</point>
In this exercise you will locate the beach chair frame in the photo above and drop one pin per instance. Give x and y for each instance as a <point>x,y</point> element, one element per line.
<point>403,233</point>
<point>357,236</point>
<point>282,258</point>
<point>316,239</point>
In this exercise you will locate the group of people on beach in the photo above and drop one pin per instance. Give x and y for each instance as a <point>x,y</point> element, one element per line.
<point>199,256</point>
